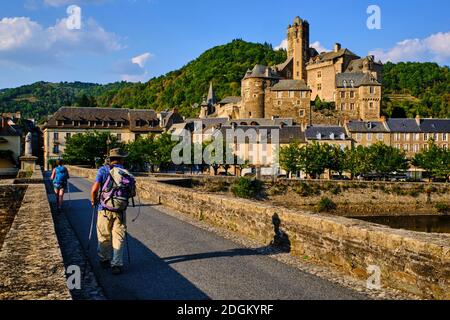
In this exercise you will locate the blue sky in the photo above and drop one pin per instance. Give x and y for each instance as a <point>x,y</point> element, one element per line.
<point>135,40</point>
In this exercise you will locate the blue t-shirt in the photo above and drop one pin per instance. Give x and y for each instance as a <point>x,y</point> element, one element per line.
<point>102,175</point>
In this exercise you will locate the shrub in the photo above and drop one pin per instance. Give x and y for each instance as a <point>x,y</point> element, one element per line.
<point>442,207</point>
<point>246,188</point>
<point>306,190</point>
<point>326,205</point>
<point>336,190</point>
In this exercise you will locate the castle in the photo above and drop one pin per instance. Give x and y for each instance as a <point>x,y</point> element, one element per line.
<point>352,83</point>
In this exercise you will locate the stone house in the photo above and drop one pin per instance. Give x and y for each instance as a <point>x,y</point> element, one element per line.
<point>126,124</point>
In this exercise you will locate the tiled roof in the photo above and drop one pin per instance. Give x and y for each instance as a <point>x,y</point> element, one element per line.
<point>358,79</point>
<point>403,125</point>
<point>286,134</point>
<point>263,122</point>
<point>290,85</point>
<point>326,56</point>
<point>128,117</point>
<point>435,125</point>
<point>232,99</point>
<point>366,126</point>
<point>260,71</point>
<point>326,133</point>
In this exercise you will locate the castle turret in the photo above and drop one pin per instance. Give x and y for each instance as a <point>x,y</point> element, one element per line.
<point>298,47</point>
<point>254,87</point>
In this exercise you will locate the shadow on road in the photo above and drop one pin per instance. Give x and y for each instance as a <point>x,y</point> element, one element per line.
<point>148,277</point>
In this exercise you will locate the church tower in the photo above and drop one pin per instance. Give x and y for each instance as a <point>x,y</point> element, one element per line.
<point>298,47</point>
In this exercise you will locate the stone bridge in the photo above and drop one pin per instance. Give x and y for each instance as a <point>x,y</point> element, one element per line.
<point>192,245</point>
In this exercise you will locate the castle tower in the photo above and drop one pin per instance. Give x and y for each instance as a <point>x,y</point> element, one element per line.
<point>298,47</point>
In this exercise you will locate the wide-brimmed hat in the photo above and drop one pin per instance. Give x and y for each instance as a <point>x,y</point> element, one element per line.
<point>117,153</point>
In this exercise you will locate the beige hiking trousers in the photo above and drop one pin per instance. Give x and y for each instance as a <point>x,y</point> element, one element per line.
<point>111,233</point>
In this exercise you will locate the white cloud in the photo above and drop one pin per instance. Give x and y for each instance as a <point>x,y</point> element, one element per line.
<point>59,3</point>
<point>283,45</point>
<point>142,59</point>
<point>435,48</point>
<point>316,45</point>
<point>133,70</point>
<point>26,42</point>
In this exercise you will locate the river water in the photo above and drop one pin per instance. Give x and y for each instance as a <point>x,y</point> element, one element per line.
<point>430,224</point>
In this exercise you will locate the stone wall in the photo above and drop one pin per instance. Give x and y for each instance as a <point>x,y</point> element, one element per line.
<point>417,263</point>
<point>31,265</point>
<point>10,200</point>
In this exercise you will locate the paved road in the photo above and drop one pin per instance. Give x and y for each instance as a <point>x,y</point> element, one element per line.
<point>172,259</point>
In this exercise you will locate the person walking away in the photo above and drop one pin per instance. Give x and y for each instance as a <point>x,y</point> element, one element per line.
<point>59,177</point>
<point>113,188</point>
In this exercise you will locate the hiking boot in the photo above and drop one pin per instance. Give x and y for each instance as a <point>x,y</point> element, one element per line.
<point>117,270</point>
<point>106,264</point>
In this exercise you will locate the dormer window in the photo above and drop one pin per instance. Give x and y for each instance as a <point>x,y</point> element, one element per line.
<point>352,83</point>
<point>342,136</point>
<point>319,136</point>
<point>345,83</point>
<point>331,136</point>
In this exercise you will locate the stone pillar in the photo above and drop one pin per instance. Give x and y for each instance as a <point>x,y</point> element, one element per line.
<point>28,161</point>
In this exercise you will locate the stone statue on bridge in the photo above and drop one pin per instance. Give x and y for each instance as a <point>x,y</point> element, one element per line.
<point>28,161</point>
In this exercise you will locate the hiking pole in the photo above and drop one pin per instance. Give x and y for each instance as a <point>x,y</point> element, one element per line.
<point>128,248</point>
<point>68,192</point>
<point>94,211</point>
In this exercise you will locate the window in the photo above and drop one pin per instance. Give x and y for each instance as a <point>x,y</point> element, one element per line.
<point>371,105</point>
<point>56,136</point>
<point>397,136</point>
<point>279,102</point>
<point>298,102</point>
<point>425,147</point>
<point>380,136</point>
<point>319,74</point>
<point>319,86</point>
<point>120,124</point>
<point>76,123</point>
<point>372,90</point>
<point>369,137</point>
<point>291,94</point>
<point>119,137</point>
<point>444,137</point>
<point>359,136</point>
<point>342,106</point>
<point>279,94</point>
<point>426,136</point>
<point>436,137</point>
<point>406,137</point>
<point>345,83</point>
<point>397,146</point>
<point>56,149</point>
<point>302,113</point>
<point>68,135</point>
<point>406,147</point>
<point>304,94</point>
<point>352,106</point>
<point>416,137</point>
<point>342,94</point>
<point>352,94</point>
<point>416,148</point>
<point>352,83</point>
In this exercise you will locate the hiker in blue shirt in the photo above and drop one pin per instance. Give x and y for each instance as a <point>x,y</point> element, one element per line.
<point>60,175</point>
<point>110,193</point>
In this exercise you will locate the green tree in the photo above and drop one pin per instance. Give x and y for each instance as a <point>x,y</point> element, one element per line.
<point>435,160</point>
<point>386,159</point>
<point>88,148</point>
<point>290,157</point>
<point>314,159</point>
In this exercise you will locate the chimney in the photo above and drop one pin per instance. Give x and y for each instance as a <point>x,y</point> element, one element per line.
<point>337,47</point>
<point>418,120</point>
<point>382,119</point>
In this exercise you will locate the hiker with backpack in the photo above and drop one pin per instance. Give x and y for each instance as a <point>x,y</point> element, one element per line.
<point>59,177</point>
<point>114,187</point>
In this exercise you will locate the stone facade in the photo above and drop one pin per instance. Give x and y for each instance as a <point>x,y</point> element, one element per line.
<point>31,265</point>
<point>413,262</point>
<point>127,125</point>
<point>317,71</point>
